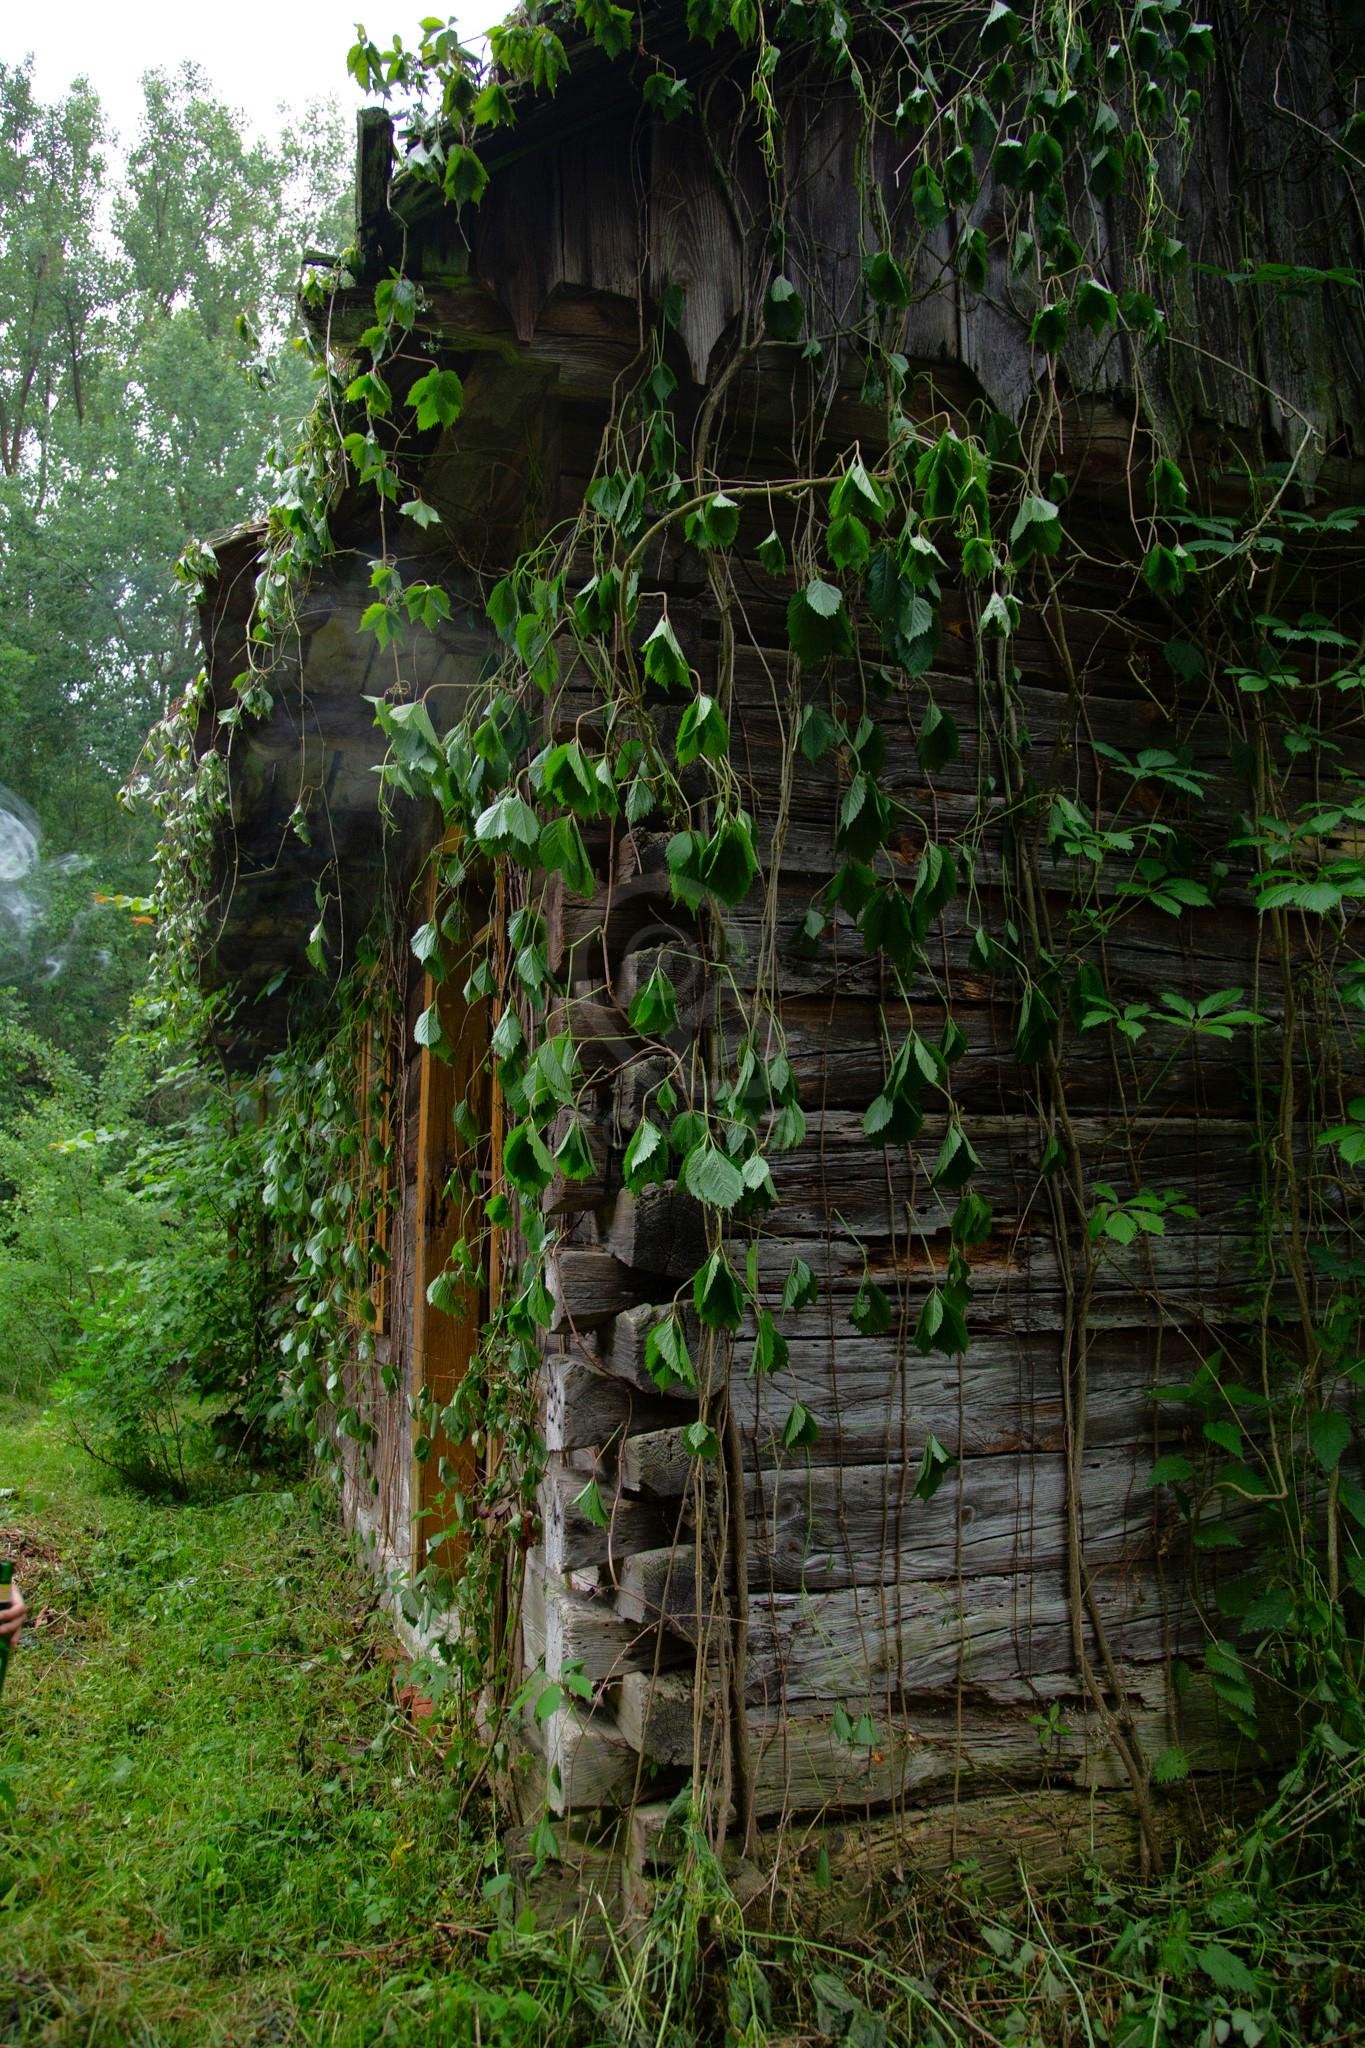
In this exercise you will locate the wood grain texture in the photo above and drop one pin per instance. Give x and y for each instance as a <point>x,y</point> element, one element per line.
<point>889,1644</point>
<point>935,1752</point>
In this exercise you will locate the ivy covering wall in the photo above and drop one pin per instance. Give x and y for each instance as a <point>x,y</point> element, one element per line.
<point>1124,477</point>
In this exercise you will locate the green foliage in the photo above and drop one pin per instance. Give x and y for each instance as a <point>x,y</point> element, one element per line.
<point>135,1275</point>
<point>67,1212</point>
<point>183,1334</point>
<point>1047,874</point>
<point>144,374</point>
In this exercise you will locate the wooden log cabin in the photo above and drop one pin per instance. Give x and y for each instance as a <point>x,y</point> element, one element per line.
<point>899,1602</point>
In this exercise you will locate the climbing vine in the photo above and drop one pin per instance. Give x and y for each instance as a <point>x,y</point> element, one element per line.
<point>1039,156</point>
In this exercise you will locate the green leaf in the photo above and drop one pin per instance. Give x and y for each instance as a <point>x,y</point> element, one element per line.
<point>562,851</point>
<point>492,108</point>
<point>864,820</point>
<point>702,733</point>
<point>710,1175</point>
<point>426,943</point>
<point>783,313</point>
<point>935,1465</point>
<point>887,284</point>
<point>427,1030</point>
<point>420,513</point>
<point>858,491</point>
<point>668,96</point>
<point>1049,328</point>
<point>1329,1432</point>
<point>664,660</point>
<point>509,826</point>
<point>974,260</point>
<point>772,555</point>
<point>939,741</point>
<point>1170,493</point>
<point>940,1326</point>
<point>590,1503</point>
<point>1163,570</point>
<point>508,1037</point>
<point>714,524</point>
<point>526,1160</point>
<point>572,1154</point>
<point>370,390</point>
<point>667,1359</point>
<point>819,734</point>
<point>789,1128</point>
<point>770,1352</point>
<point>584,785</point>
<point>438,398</point>
<point>956,1162</point>
<point>646,1160</point>
<point>727,861</point>
<point>1042,162</point>
<point>1000,29</point>
<point>800,1430</point>
<point>871,1311</point>
<point>1095,306</point>
<point>800,1288</point>
<point>466,178</point>
<point>653,1009</point>
<point>700,1441</point>
<point>717,1294</point>
<point>972,1219</point>
<point>1037,529</point>
<point>1224,1969</point>
<point>930,204</point>
<point>849,542</point>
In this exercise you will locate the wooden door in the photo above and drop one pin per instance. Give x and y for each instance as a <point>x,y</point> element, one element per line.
<point>454,1178</point>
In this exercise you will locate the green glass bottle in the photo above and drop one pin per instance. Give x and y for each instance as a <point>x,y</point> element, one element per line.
<point>6,1581</point>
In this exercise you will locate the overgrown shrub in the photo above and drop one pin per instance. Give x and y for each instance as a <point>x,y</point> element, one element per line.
<point>66,1212</point>
<point>178,1340</point>
<point>134,1257</point>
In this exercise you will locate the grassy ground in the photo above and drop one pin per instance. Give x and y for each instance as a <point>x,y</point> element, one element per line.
<point>223,1828</point>
<point>218,1825</point>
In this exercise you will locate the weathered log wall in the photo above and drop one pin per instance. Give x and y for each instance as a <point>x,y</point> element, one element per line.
<point>899,1651</point>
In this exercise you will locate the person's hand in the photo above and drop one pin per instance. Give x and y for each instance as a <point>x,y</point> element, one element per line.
<point>13,1617</point>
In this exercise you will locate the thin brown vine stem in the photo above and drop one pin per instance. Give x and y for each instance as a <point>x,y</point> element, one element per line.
<point>1081,1601</point>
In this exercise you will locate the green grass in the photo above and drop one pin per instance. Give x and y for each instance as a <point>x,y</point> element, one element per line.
<point>219,1826</point>
<point>223,1827</point>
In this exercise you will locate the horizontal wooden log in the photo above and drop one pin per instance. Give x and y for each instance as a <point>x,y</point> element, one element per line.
<point>1195,1277</point>
<point>662,1230</point>
<point>837,1046</point>
<point>1146,951</point>
<point>588,1287</point>
<point>564,1630</point>
<point>872,1647</point>
<point>817,1527</point>
<point>585,1406</point>
<point>573,1537</point>
<point>801,1765</point>
<point>875,1401</point>
<point>565,1197</point>
<point>839,1173</point>
<point>584,1760</point>
<point>1050,1833</point>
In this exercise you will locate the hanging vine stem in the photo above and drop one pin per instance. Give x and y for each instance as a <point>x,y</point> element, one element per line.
<point>1069,1233</point>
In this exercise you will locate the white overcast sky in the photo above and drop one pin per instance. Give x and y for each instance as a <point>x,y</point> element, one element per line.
<point>257,53</point>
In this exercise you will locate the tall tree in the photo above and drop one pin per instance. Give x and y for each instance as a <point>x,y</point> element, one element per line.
<point>146,365</point>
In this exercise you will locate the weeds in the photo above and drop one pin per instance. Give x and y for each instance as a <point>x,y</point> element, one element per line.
<point>221,1826</point>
